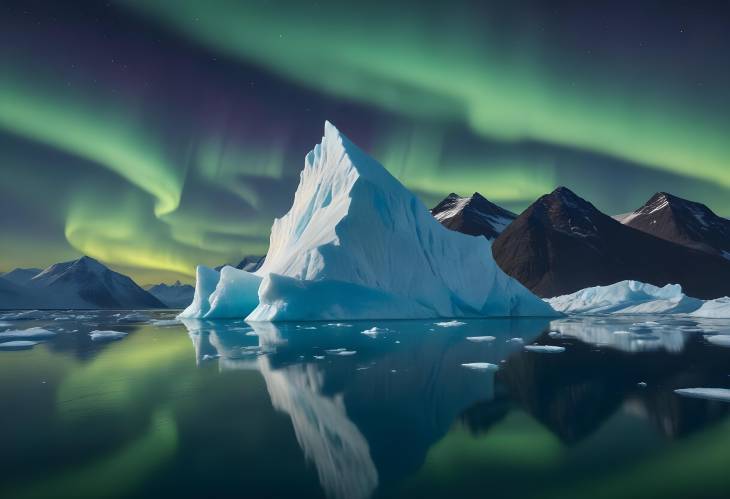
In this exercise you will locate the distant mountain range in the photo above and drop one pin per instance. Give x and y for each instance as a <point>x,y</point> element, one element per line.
<point>473,215</point>
<point>175,295</point>
<point>80,284</point>
<point>561,243</point>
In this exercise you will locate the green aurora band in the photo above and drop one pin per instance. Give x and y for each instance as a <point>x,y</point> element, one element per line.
<point>155,203</point>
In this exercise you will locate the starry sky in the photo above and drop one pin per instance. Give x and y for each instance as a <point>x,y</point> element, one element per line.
<point>155,135</point>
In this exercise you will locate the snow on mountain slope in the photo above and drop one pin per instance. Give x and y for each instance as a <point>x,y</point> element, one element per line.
<point>626,297</point>
<point>357,244</point>
<point>87,284</point>
<point>683,222</point>
<point>474,215</point>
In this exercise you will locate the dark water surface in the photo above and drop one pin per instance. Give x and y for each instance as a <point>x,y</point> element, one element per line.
<point>229,409</point>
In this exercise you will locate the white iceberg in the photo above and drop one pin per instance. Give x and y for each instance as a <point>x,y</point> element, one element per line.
<point>544,348</point>
<point>481,366</point>
<point>718,308</point>
<point>106,335</point>
<point>33,333</point>
<point>18,345</point>
<point>356,244</point>
<point>719,340</point>
<point>721,394</point>
<point>481,339</point>
<point>626,297</point>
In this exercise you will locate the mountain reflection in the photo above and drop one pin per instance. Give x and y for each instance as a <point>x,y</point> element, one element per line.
<point>366,410</point>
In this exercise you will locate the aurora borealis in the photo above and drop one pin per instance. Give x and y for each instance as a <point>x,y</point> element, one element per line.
<point>155,135</point>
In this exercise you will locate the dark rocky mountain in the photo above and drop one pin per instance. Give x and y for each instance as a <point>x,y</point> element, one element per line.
<point>249,263</point>
<point>176,295</point>
<point>20,276</point>
<point>562,243</point>
<point>474,215</point>
<point>81,284</point>
<point>683,222</point>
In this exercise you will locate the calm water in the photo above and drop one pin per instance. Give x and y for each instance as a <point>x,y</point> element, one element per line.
<point>229,409</point>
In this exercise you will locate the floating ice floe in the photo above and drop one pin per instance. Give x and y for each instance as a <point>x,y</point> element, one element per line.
<point>133,318</point>
<point>165,322</point>
<point>374,331</point>
<point>721,394</point>
<point>544,348</point>
<point>720,340</point>
<point>481,366</point>
<point>24,315</point>
<point>453,323</point>
<point>718,308</point>
<point>333,257</point>
<point>18,345</point>
<point>33,333</point>
<point>481,339</point>
<point>98,335</point>
<point>626,297</point>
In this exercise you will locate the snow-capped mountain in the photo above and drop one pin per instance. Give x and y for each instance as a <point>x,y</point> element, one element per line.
<point>683,222</point>
<point>82,284</point>
<point>175,295</point>
<point>357,244</point>
<point>21,276</point>
<point>562,243</point>
<point>474,215</point>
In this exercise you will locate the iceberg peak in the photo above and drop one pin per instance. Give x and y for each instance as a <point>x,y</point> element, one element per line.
<point>356,244</point>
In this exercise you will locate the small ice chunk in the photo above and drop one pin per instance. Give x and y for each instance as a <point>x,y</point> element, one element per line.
<point>33,333</point>
<point>641,384</point>
<point>722,394</point>
<point>319,357</point>
<point>133,318</point>
<point>346,352</point>
<point>210,356</point>
<point>554,334</point>
<point>481,366</point>
<point>18,345</point>
<point>165,322</point>
<point>25,315</point>
<point>720,340</point>
<point>544,348</point>
<point>453,323</point>
<point>374,331</point>
<point>97,335</point>
<point>481,339</point>
<point>252,333</point>
<point>515,340</point>
<point>622,332</point>
<point>334,351</point>
<point>338,324</point>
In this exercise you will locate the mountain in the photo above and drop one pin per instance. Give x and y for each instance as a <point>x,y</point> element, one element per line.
<point>20,276</point>
<point>17,296</point>
<point>356,244</point>
<point>177,295</point>
<point>82,284</point>
<point>473,215</point>
<point>683,222</point>
<point>249,263</point>
<point>562,243</point>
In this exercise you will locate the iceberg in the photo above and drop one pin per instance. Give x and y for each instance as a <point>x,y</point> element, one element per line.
<point>718,308</point>
<point>626,297</point>
<point>356,244</point>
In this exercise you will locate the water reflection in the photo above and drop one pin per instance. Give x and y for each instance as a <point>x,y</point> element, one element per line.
<point>372,416</point>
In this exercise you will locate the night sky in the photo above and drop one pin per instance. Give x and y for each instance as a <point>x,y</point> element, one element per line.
<point>155,135</point>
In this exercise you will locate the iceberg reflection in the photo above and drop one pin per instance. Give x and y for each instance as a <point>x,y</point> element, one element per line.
<point>369,417</point>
